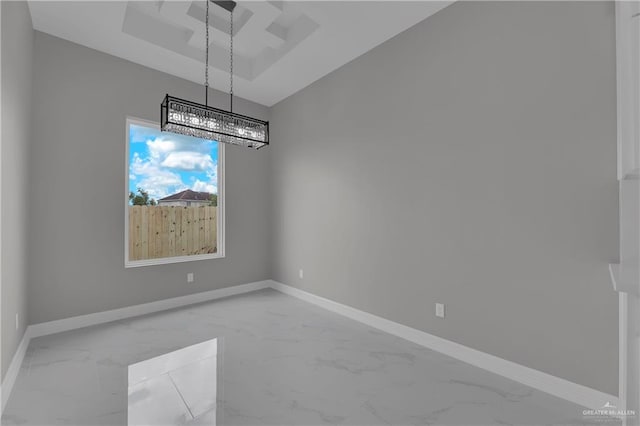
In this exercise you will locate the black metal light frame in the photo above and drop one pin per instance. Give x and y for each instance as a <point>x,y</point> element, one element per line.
<point>220,116</point>
<point>193,119</point>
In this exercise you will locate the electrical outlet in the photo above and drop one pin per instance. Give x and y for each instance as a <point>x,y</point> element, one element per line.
<point>190,277</point>
<point>301,274</point>
<point>440,310</point>
<point>17,321</point>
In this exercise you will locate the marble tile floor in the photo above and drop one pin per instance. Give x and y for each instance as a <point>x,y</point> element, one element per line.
<point>179,387</point>
<point>280,361</point>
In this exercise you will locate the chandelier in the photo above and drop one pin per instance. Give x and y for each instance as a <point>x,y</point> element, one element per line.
<point>202,121</point>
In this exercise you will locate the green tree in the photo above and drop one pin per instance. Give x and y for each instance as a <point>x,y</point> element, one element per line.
<point>141,198</point>
<point>213,200</point>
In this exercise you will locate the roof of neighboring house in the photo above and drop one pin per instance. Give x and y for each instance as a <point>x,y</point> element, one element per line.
<point>188,195</point>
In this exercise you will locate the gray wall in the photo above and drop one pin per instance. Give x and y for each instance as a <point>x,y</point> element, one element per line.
<point>17,65</point>
<point>77,169</point>
<point>470,160</point>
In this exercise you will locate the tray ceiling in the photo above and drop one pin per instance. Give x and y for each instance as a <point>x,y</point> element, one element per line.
<point>279,46</point>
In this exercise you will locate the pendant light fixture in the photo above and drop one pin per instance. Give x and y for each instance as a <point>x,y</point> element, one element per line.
<point>202,121</point>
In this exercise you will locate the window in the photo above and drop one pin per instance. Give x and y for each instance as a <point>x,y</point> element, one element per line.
<point>174,197</point>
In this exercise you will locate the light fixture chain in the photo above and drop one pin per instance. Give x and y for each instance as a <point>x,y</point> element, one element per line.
<point>197,120</point>
<point>231,61</point>
<point>206,65</point>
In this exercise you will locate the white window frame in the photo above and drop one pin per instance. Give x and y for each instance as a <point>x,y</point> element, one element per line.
<point>220,252</point>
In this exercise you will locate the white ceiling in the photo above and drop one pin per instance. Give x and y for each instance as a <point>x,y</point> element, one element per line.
<point>279,46</point>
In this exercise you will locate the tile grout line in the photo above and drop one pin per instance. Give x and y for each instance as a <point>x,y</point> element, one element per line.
<point>541,381</point>
<point>544,382</point>
<point>181,397</point>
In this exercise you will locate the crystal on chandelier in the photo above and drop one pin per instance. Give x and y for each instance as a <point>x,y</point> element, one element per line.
<point>192,119</point>
<point>205,122</point>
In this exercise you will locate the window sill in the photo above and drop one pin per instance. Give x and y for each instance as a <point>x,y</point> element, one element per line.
<point>168,260</point>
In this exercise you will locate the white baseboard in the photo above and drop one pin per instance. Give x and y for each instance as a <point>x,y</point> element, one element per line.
<point>72,323</point>
<point>536,379</point>
<point>556,386</point>
<point>14,368</point>
<point>622,351</point>
<point>52,327</point>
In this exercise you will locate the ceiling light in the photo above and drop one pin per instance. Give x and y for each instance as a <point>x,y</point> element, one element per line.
<point>202,121</point>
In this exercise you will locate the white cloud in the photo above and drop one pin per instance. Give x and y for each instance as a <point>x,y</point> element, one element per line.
<point>160,186</point>
<point>188,160</point>
<point>168,143</point>
<point>201,186</point>
<point>212,174</point>
<point>171,158</point>
<point>159,182</point>
<point>160,147</point>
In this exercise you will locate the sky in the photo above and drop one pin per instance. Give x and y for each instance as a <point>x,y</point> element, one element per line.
<point>164,163</point>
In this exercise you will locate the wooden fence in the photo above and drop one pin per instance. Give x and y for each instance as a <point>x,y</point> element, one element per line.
<point>169,231</point>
